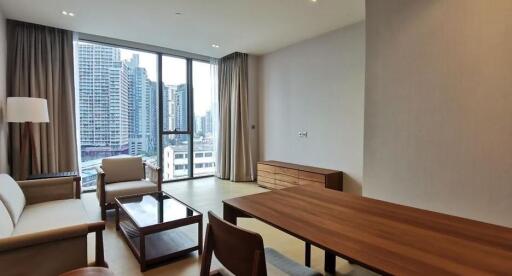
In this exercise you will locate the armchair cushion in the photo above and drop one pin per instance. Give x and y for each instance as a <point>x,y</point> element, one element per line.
<point>6,225</point>
<point>51,215</point>
<point>12,196</point>
<point>119,169</point>
<point>114,190</point>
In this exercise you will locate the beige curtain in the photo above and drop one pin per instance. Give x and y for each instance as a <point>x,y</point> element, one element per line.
<point>234,160</point>
<point>40,64</point>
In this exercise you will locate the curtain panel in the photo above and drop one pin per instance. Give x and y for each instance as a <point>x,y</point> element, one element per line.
<point>234,160</point>
<point>40,64</point>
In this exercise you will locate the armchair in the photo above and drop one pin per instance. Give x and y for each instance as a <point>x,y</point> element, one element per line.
<point>44,227</point>
<point>122,176</point>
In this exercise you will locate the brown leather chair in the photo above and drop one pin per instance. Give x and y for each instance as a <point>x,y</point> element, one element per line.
<point>242,253</point>
<point>123,176</point>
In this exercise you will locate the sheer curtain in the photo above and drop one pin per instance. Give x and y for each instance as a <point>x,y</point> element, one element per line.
<point>234,161</point>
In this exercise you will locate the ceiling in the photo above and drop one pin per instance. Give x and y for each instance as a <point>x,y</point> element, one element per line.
<point>251,26</point>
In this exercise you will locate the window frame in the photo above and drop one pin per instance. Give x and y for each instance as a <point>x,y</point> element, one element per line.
<point>160,52</point>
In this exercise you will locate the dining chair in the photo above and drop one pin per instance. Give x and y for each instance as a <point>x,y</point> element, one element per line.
<point>242,253</point>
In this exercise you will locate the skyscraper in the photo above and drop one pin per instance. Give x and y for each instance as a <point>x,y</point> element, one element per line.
<point>103,99</point>
<point>118,104</point>
<point>181,103</point>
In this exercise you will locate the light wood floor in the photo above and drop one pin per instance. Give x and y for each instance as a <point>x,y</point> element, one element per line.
<point>204,195</point>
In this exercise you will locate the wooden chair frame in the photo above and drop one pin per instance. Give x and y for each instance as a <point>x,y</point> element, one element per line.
<point>101,187</point>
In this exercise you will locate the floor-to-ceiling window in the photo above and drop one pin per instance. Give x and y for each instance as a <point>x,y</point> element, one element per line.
<point>120,99</point>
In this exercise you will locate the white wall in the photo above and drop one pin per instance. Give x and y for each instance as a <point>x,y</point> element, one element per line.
<point>316,86</point>
<point>3,125</point>
<point>438,109</point>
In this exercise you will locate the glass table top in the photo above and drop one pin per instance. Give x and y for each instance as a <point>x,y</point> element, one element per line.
<point>155,208</point>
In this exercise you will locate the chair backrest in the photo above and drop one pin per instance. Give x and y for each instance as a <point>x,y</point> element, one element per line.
<point>120,169</point>
<point>239,250</point>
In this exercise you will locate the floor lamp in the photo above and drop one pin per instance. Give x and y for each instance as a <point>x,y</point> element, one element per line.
<point>27,111</point>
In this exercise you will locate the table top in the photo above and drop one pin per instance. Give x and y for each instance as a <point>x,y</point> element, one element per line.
<point>155,208</point>
<point>382,236</point>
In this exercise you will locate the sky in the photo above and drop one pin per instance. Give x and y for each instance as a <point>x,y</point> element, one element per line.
<point>174,72</point>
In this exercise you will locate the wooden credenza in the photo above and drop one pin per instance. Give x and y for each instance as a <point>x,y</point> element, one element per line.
<point>278,175</point>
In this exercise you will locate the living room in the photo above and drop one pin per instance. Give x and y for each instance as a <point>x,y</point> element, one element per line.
<point>296,137</point>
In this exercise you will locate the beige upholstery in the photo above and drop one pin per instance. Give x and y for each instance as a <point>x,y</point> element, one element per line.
<point>49,237</point>
<point>51,215</point>
<point>49,189</point>
<point>12,196</point>
<point>6,225</point>
<point>119,169</point>
<point>123,176</point>
<point>114,190</point>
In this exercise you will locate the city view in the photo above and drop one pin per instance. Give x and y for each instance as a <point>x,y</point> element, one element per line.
<point>118,103</point>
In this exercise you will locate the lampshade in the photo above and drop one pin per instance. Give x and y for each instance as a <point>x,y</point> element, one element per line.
<point>24,109</point>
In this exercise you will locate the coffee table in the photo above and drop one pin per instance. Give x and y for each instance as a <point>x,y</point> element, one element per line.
<point>148,223</point>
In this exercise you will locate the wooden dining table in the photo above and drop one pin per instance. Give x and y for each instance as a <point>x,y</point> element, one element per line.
<point>384,237</point>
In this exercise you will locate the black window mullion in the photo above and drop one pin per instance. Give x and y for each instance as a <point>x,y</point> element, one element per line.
<point>190,118</point>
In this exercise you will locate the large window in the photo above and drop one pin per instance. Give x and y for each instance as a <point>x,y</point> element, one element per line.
<point>119,106</point>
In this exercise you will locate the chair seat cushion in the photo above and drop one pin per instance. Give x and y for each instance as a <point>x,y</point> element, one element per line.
<point>114,190</point>
<point>12,196</point>
<point>278,264</point>
<point>51,215</point>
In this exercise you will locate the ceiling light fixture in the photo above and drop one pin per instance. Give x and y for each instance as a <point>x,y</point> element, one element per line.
<point>215,46</point>
<point>68,13</point>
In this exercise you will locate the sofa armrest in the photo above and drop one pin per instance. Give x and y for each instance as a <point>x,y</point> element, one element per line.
<point>49,189</point>
<point>32,239</point>
<point>154,174</point>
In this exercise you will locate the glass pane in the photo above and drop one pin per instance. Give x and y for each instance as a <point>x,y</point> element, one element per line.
<point>155,208</point>
<point>175,159</point>
<point>175,94</point>
<point>204,157</point>
<point>117,105</point>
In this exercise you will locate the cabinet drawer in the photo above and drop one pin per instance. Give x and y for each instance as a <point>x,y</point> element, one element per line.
<point>265,180</point>
<point>286,171</point>
<point>285,184</point>
<point>309,182</point>
<point>267,168</point>
<point>287,178</point>
<point>265,174</point>
<point>312,176</point>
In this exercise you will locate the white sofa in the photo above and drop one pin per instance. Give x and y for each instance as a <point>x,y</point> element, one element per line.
<point>44,227</point>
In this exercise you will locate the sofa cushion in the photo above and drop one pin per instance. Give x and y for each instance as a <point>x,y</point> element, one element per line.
<point>6,225</point>
<point>12,196</point>
<point>114,190</point>
<point>119,169</point>
<point>51,215</point>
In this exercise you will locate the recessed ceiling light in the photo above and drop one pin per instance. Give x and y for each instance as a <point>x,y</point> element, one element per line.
<point>314,1</point>
<point>68,13</point>
<point>215,46</point>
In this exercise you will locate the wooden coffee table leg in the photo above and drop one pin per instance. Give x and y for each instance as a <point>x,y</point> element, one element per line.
<point>117,217</point>
<point>200,235</point>
<point>142,258</point>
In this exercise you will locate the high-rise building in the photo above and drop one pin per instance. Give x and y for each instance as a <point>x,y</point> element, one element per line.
<point>118,104</point>
<point>103,99</point>
<point>180,103</point>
